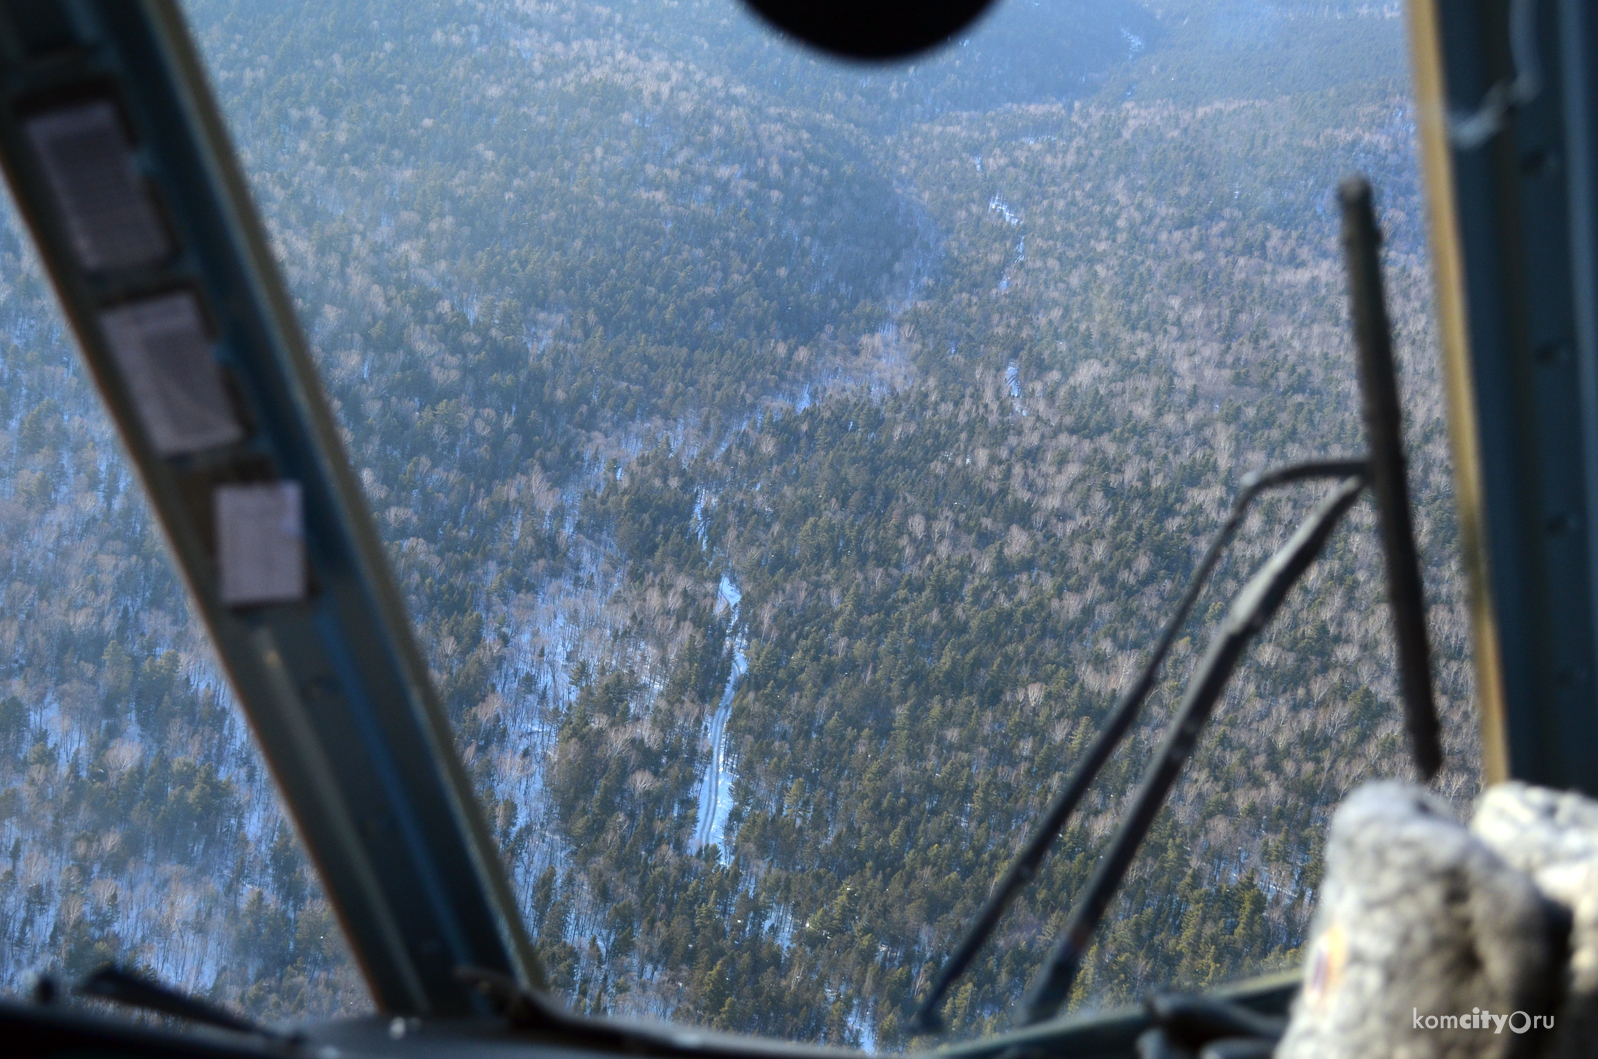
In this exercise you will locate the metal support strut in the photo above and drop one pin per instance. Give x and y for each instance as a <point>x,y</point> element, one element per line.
<point>117,158</point>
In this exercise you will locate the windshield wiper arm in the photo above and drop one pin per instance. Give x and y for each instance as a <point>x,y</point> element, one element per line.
<point>1253,607</point>
<point>1385,468</point>
<point>1026,862</point>
<point>113,983</point>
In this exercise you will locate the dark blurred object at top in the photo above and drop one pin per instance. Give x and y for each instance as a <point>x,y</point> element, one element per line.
<point>871,29</point>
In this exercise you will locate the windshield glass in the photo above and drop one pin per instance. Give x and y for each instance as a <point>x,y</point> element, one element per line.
<point>786,463</point>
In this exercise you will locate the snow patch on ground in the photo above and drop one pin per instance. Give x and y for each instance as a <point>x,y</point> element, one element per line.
<point>715,790</point>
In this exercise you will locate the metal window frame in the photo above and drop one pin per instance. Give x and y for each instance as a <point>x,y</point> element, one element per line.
<point>1513,248</point>
<point>334,686</point>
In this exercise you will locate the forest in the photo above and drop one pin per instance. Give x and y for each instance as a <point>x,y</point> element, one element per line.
<point>785,465</point>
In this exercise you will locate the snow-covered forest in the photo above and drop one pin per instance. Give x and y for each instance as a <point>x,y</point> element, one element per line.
<point>786,464</point>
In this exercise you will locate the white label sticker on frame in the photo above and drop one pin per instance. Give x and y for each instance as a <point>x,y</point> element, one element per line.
<point>260,543</point>
<point>165,357</point>
<point>88,163</point>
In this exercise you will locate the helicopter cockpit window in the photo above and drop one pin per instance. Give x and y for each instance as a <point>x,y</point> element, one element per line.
<point>786,462</point>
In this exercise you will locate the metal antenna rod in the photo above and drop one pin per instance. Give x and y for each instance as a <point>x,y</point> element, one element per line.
<point>1026,862</point>
<point>1252,608</point>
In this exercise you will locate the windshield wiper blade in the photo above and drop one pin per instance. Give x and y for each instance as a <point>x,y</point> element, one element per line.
<point>113,983</point>
<point>1026,862</point>
<point>1251,610</point>
<point>1378,387</point>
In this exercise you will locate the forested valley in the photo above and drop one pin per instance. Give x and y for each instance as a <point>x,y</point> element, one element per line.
<point>786,465</point>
